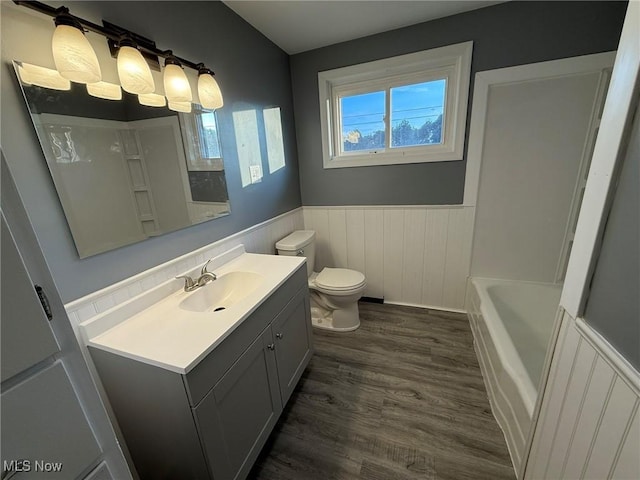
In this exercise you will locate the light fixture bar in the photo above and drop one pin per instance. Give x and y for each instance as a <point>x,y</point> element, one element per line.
<point>112,32</point>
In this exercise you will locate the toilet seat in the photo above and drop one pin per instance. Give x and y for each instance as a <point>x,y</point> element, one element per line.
<point>338,281</point>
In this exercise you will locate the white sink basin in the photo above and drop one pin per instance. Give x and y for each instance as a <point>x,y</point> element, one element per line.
<point>222,293</point>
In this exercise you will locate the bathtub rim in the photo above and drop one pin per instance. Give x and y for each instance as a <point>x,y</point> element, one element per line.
<point>512,363</point>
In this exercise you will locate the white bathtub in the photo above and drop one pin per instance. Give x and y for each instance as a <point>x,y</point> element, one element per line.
<point>512,323</point>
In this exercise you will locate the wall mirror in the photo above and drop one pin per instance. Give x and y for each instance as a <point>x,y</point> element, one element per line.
<point>123,171</point>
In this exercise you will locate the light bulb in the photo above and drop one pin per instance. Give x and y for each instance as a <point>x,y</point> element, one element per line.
<point>133,70</point>
<point>106,90</point>
<point>42,77</point>
<point>152,100</point>
<point>74,56</point>
<point>184,107</point>
<point>209,92</point>
<point>176,85</point>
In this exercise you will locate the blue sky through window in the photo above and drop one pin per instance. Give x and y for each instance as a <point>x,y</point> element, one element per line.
<point>364,113</point>
<point>417,104</point>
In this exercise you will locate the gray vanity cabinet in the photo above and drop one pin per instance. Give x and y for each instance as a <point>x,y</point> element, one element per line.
<point>213,421</point>
<point>237,415</point>
<point>293,342</point>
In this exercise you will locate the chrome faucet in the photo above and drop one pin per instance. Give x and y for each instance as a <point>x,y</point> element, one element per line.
<point>205,277</point>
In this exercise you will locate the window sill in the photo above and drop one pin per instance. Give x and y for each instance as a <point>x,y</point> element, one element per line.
<point>378,159</point>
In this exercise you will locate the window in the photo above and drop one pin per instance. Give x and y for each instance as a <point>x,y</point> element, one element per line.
<point>406,109</point>
<point>200,136</point>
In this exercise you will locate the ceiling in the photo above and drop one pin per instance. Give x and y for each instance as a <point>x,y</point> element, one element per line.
<point>300,25</point>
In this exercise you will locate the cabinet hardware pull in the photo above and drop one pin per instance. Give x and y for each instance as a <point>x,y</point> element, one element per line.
<point>279,335</point>
<point>271,346</point>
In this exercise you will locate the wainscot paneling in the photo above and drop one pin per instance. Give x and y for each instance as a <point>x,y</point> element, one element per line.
<point>589,426</point>
<point>260,238</point>
<point>410,255</point>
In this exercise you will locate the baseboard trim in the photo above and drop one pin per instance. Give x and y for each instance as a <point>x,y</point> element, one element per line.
<point>372,300</point>
<point>429,307</point>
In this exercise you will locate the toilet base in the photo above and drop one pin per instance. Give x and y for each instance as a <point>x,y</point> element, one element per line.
<point>339,320</point>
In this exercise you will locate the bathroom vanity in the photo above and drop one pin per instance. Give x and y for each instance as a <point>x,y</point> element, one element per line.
<point>197,393</point>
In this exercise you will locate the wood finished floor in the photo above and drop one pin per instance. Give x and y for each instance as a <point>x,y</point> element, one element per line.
<point>400,398</point>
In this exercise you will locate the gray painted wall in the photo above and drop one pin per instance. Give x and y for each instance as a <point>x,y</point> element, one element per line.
<point>252,72</point>
<point>613,308</point>
<point>508,34</point>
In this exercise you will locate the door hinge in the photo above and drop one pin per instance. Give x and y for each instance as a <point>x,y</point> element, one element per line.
<point>44,301</point>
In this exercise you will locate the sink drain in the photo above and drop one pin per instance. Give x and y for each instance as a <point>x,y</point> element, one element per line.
<point>219,309</point>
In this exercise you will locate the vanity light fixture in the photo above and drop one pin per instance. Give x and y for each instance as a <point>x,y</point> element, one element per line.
<point>209,92</point>
<point>72,53</point>
<point>106,90</point>
<point>76,60</point>
<point>42,77</point>
<point>183,107</point>
<point>133,69</point>
<point>176,84</point>
<point>152,100</point>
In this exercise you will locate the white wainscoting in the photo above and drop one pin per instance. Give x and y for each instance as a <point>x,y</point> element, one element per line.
<point>260,238</point>
<point>410,255</point>
<point>589,425</point>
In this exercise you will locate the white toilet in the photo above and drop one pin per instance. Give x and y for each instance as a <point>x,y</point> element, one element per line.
<point>334,291</point>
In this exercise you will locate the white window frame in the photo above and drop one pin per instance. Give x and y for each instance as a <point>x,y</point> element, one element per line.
<point>452,63</point>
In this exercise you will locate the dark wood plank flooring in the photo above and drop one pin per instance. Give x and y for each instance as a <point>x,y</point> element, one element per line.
<point>400,398</point>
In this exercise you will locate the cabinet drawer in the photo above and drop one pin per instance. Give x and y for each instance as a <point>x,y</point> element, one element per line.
<point>211,369</point>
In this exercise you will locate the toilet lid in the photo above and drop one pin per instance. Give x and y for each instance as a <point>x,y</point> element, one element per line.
<point>339,279</point>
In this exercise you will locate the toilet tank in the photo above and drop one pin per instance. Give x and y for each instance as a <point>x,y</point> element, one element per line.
<point>299,243</point>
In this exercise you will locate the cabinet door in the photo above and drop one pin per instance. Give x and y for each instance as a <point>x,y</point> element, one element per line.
<point>26,335</point>
<point>238,414</point>
<point>294,342</point>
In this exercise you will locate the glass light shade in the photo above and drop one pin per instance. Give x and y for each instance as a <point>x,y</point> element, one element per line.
<point>152,100</point>
<point>74,56</point>
<point>184,107</point>
<point>42,77</point>
<point>133,70</point>
<point>209,92</point>
<point>176,85</point>
<point>106,90</point>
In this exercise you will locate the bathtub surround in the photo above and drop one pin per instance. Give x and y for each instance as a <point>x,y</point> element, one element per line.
<point>254,75</point>
<point>528,121</point>
<point>512,33</point>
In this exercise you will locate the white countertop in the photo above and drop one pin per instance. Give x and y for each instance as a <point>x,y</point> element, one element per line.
<point>166,336</point>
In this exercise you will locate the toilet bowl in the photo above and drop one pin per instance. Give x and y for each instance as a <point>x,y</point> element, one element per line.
<point>334,292</point>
